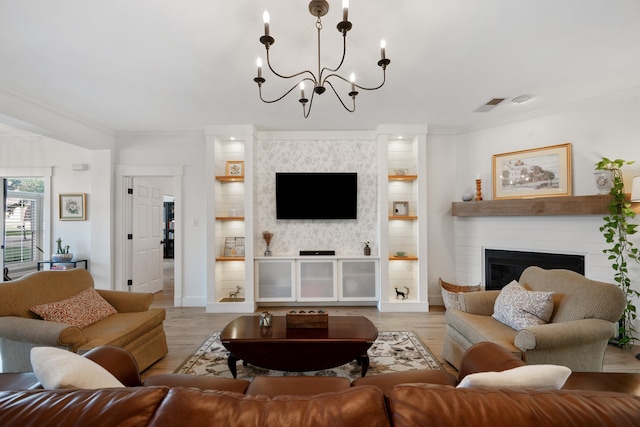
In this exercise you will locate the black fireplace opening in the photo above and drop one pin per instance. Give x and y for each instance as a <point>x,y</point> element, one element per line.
<point>503,266</point>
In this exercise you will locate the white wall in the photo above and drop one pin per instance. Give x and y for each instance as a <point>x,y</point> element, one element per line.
<point>85,238</point>
<point>185,151</point>
<point>602,127</point>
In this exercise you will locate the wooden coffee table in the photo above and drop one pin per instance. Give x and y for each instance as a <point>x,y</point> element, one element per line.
<point>297,350</point>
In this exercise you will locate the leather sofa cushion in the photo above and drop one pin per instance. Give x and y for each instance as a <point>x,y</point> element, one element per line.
<point>95,408</point>
<point>299,385</point>
<point>356,406</point>
<point>387,381</point>
<point>202,382</point>
<point>432,405</point>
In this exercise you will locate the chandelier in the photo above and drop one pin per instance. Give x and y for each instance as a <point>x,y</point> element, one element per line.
<point>324,76</point>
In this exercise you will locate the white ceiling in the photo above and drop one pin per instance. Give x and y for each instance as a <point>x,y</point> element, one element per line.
<point>169,65</point>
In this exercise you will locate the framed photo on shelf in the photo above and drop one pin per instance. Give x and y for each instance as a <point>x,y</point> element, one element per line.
<point>538,172</point>
<point>400,208</point>
<point>72,206</point>
<point>235,168</point>
<point>234,247</point>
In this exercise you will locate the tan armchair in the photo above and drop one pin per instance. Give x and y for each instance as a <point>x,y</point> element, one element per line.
<point>134,327</point>
<point>584,318</point>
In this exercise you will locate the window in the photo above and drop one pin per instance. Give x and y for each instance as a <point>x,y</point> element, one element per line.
<point>22,222</point>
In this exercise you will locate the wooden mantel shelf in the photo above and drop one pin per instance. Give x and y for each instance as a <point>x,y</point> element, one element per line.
<point>566,205</point>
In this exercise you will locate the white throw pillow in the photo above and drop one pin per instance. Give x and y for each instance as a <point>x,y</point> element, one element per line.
<point>519,308</point>
<point>56,368</point>
<point>538,377</point>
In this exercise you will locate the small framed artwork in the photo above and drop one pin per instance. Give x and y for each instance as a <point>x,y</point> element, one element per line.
<point>73,206</point>
<point>235,168</point>
<point>400,208</point>
<point>539,172</point>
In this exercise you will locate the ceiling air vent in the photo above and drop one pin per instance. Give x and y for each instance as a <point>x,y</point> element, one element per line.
<point>489,105</point>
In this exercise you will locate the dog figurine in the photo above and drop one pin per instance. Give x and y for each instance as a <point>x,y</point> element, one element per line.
<point>402,295</point>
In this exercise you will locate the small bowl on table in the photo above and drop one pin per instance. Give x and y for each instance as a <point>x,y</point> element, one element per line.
<point>401,254</point>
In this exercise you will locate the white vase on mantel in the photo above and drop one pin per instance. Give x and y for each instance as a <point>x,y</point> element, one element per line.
<point>604,181</point>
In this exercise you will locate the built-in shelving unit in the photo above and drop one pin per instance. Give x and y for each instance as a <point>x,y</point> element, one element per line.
<point>229,204</point>
<point>565,205</point>
<point>403,168</point>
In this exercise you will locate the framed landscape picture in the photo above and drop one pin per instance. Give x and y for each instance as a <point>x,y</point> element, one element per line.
<point>73,206</point>
<point>539,172</point>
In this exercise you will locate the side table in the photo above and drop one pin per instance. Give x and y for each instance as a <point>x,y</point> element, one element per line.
<point>73,262</point>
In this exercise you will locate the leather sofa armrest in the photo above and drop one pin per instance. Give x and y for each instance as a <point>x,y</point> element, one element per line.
<point>119,362</point>
<point>481,302</point>
<point>41,332</point>
<point>127,302</point>
<point>487,356</point>
<point>564,334</point>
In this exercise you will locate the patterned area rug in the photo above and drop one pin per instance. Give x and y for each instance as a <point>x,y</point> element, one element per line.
<point>391,352</point>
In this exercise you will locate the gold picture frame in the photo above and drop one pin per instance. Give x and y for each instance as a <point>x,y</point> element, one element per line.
<point>538,172</point>
<point>235,168</point>
<point>72,206</point>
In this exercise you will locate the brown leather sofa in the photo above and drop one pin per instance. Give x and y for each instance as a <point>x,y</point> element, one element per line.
<point>416,398</point>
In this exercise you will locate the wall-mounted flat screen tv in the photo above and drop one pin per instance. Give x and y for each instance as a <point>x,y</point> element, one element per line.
<point>316,195</point>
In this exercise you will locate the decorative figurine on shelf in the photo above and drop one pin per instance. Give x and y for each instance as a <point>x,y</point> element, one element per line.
<point>402,295</point>
<point>267,235</point>
<point>367,249</point>
<point>234,294</point>
<point>478,190</point>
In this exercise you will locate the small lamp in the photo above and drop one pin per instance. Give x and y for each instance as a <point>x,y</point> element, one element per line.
<point>635,189</point>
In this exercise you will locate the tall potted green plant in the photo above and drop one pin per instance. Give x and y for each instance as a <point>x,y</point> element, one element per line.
<point>616,231</point>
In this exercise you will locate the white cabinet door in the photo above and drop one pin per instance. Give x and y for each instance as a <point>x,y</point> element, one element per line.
<point>317,280</point>
<point>275,280</point>
<point>358,280</point>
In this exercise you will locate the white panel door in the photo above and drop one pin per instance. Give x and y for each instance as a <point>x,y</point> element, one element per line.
<point>147,237</point>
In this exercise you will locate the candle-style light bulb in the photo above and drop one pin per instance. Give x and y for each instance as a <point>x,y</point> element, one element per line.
<point>266,18</point>
<point>301,90</point>
<point>383,45</point>
<point>352,79</point>
<point>345,10</point>
<point>259,64</point>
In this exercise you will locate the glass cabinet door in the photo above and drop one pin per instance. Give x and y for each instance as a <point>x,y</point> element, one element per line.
<point>317,280</point>
<point>275,280</point>
<point>358,280</point>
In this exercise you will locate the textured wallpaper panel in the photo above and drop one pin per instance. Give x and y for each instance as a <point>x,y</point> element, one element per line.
<point>346,237</point>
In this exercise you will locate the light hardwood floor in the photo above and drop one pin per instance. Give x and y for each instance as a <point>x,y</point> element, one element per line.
<point>188,327</point>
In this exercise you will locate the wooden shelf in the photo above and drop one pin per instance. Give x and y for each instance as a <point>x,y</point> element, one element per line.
<point>403,258</point>
<point>229,218</point>
<point>404,217</point>
<point>230,258</point>
<point>403,177</point>
<point>565,205</point>
<point>225,178</point>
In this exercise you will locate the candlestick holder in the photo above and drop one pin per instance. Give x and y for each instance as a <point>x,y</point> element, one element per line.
<point>478,190</point>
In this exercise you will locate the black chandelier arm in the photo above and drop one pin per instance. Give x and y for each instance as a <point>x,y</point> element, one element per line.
<point>313,77</point>
<point>351,110</point>
<point>344,55</point>
<point>274,100</point>
<point>384,78</point>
